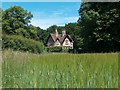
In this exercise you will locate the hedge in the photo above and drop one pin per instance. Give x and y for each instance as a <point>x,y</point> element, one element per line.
<point>58,49</point>
<point>16,42</point>
<point>54,49</point>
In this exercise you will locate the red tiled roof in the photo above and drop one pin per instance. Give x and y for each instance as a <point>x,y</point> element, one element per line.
<point>60,37</point>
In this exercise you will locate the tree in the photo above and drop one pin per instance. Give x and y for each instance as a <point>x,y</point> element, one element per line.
<point>99,24</point>
<point>73,29</point>
<point>21,31</point>
<point>52,29</point>
<point>14,18</point>
<point>32,32</point>
<point>42,35</point>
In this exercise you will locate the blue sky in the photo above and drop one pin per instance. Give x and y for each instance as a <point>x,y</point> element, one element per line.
<point>46,14</point>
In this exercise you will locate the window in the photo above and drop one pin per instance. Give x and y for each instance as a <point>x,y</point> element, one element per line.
<point>66,42</point>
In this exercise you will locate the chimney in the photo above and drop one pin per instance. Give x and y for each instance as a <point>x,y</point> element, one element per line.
<point>63,33</point>
<point>56,33</point>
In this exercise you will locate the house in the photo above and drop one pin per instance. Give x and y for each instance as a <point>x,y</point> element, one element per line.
<point>63,40</point>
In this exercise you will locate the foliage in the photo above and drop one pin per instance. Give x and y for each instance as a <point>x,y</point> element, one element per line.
<point>20,43</point>
<point>16,22</point>
<point>52,29</point>
<point>73,29</point>
<point>14,18</point>
<point>58,49</point>
<point>32,32</point>
<point>54,49</point>
<point>42,35</point>
<point>26,70</point>
<point>21,31</point>
<point>99,24</point>
<point>65,50</point>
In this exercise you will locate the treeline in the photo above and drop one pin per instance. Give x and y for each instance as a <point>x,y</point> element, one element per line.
<point>97,29</point>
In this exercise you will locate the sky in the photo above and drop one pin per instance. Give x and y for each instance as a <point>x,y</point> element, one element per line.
<point>46,14</point>
<point>40,0</point>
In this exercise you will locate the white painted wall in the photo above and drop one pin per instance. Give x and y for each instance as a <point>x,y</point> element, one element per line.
<point>69,44</point>
<point>57,43</point>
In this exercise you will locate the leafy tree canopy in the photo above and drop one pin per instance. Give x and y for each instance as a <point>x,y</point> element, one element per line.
<point>100,27</point>
<point>14,18</point>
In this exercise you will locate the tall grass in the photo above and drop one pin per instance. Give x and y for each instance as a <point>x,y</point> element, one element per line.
<point>25,70</point>
<point>0,69</point>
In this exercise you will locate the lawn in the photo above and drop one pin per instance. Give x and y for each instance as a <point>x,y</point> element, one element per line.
<point>26,70</point>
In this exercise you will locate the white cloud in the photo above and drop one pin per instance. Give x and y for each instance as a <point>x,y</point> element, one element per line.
<point>45,23</point>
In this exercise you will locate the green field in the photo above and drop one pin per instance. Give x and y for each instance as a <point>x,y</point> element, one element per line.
<point>25,70</point>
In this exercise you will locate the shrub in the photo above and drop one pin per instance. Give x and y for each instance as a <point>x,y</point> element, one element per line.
<point>20,43</point>
<point>70,50</point>
<point>65,50</point>
<point>54,49</point>
<point>58,49</point>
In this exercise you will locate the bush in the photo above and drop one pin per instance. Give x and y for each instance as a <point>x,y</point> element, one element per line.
<point>54,49</point>
<point>58,49</point>
<point>70,51</point>
<point>20,43</point>
<point>65,50</point>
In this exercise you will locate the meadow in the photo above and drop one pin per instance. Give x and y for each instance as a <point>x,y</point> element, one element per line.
<point>27,70</point>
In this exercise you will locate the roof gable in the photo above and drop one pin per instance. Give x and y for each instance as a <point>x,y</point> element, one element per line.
<point>60,37</point>
<point>67,36</point>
